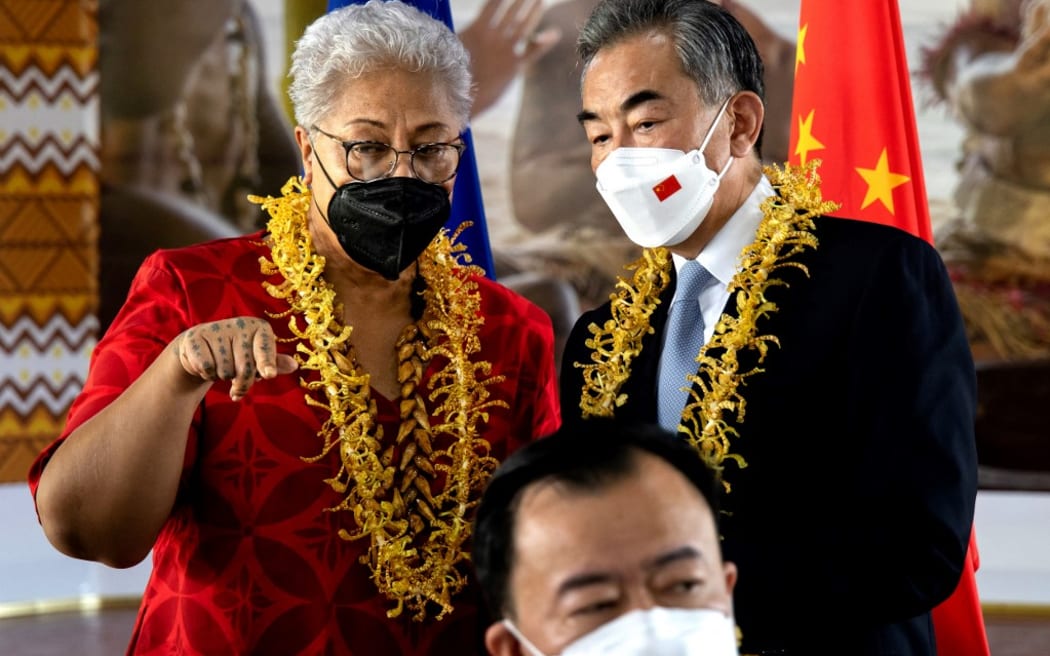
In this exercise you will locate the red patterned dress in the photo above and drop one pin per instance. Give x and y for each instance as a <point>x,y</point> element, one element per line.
<point>249,562</point>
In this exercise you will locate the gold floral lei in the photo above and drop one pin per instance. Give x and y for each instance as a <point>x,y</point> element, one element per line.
<point>415,508</point>
<point>785,231</point>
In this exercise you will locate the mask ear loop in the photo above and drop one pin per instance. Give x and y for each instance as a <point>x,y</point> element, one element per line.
<point>711,132</point>
<point>317,159</point>
<point>417,300</point>
<point>725,168</point>
<point>531,648</point>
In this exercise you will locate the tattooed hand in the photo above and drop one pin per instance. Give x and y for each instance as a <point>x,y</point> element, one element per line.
<point>237,349</point>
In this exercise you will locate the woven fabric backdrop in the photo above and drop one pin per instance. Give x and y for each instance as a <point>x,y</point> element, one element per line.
<point>49,167</point>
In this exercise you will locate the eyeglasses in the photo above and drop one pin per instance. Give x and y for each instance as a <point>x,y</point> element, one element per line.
<point>370,160</point>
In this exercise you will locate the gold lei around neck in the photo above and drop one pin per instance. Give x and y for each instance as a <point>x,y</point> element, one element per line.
<point>785,231</point>
<point>414,509</point>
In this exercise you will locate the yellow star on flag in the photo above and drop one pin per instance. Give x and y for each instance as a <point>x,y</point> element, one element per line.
<point>881,183</point>
<point>806,140</point>
<point>800,49</point>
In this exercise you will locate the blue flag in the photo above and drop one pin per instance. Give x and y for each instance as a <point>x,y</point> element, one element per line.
<point>466,197</point>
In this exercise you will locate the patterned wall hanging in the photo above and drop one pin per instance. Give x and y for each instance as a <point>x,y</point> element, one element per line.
<point>49,165</point>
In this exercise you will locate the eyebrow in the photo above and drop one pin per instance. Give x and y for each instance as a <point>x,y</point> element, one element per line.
<point>426,127</point>
<point>682,553</point>
<point>596,578</point>
<point>635,99</point>
<point>582,581</point>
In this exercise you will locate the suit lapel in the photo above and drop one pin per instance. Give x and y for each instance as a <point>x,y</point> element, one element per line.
<point>641,386</point>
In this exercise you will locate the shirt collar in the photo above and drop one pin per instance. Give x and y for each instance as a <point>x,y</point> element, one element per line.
<point>722,253</point>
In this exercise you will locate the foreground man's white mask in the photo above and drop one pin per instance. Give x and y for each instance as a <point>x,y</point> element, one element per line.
<point>653,632</point>
<point>660,196</point>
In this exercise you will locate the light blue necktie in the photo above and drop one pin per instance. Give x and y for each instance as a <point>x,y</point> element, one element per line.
<point>685,336</point>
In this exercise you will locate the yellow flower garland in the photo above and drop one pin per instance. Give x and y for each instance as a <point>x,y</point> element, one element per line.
<point>417,536</point>
<point>785,231</point>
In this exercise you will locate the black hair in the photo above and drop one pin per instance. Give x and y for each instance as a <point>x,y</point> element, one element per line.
<point>589,456</point>
<point>713,47</point>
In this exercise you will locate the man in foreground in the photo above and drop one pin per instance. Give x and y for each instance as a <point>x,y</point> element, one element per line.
<point>604,539</point>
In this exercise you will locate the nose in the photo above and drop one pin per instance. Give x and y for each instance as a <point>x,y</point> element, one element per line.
<point>622,141</point>
<point>616,139</point>
<point>403,166</point>
<point>642,599</point>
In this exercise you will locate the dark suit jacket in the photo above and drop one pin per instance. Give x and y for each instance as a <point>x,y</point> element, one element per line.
<point>852,518</point>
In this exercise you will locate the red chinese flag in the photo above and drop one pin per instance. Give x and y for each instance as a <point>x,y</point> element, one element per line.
<point>853,109</point>
<point>666,187</point>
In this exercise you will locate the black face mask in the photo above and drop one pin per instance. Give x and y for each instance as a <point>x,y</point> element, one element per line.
<point>386,224</point>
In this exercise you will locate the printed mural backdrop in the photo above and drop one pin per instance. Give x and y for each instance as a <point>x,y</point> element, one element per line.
<point>49,166</point>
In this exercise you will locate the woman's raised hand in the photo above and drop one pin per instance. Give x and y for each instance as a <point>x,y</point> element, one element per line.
<point>238,349</point>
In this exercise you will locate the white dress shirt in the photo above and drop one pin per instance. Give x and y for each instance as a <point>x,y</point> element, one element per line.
<point>722,254</point>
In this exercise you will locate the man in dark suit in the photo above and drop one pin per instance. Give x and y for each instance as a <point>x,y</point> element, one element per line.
<point>819,364</point>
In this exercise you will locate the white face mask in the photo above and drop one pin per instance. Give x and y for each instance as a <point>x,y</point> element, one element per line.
<point>654,632</point>
<point>660,196</point>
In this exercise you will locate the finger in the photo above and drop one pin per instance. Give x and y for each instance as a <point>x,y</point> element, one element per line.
<point>508,23</point>
<point>488,12</point>
<point>286,364</point>
<point>527,24</point>
<point>183,350</point>
<point>244,362</point>
<point>195,355</point>
<point>218,339</point>
<point>541,43</point>
<point>265,351</point>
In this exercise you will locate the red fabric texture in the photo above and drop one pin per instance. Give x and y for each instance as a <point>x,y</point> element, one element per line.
<point>852,108</point>
<point>249,561</point>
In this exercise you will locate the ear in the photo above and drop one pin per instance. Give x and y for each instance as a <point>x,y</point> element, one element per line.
<point>730,571</point>
<point>501,642</point>
<point>747,113</point>
<point>306,152</point>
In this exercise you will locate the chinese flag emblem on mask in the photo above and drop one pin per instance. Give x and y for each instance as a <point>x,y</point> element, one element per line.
<point>666,188</point>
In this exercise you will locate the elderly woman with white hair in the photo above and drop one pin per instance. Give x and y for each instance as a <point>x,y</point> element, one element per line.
<point>299,422</point>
